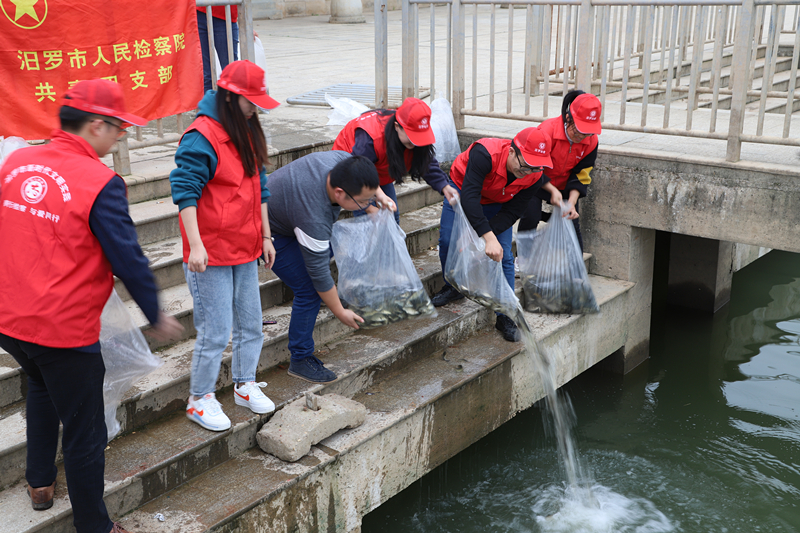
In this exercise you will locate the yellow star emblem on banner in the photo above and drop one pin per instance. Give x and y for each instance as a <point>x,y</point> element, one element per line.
<point>25,7</point>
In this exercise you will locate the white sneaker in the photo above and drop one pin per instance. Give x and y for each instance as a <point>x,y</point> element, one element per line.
<point>207,412</point>
<point>249,395</point>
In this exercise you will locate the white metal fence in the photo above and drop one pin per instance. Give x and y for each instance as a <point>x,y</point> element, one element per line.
<point>121,151</point>
<point>714,69</point>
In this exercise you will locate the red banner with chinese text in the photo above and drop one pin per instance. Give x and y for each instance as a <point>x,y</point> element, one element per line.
<point>151,48</point>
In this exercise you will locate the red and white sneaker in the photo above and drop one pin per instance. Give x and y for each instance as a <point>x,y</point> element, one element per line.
<point>249,395</point>
<point>207,412</point>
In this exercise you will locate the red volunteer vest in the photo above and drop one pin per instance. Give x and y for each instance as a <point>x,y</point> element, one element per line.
<point>229,208</point>
<point>56,278</point>
<point>565,156</point>
<point>374,125</point>
<point>495,188</point>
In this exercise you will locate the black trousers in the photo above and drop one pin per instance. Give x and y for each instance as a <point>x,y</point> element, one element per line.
<point>533,215</point>
<point>66,386</point>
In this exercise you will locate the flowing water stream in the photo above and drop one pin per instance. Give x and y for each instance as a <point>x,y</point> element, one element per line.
<point>704,437</point>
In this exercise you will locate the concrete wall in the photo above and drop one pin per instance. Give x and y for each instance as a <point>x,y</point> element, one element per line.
<point>278,9</point>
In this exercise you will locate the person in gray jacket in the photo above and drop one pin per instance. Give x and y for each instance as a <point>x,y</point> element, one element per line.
<point>307,197</point>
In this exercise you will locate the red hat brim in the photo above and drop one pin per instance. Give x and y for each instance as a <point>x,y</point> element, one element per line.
<point>586,127</point>
<point>264,101</point>
<point>421,138</point>
<point>535,160</point>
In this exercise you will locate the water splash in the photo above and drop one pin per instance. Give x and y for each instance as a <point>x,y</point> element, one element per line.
<point>559,408</point>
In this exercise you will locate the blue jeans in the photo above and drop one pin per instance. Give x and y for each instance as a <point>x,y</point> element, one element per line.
<point>67,386</point>
<point>391,193</point>
<point>489,211</point>
<point>220,43</point>
<point>291,268</point>
<point>225,298</point>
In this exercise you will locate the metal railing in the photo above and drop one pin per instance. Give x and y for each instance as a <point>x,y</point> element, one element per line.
<point>715,69</point>
<point>121,150</point>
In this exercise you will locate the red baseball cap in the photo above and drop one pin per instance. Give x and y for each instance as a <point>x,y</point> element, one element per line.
<point>101,97</point>
<point>415,117</point>
<point>535,146</point>
<point>585,111</point>
<point>247,79</point>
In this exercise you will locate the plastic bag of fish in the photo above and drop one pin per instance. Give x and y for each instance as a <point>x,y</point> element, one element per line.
<point>377,279</point>
<point>472,272</point>
<point>554,277</point>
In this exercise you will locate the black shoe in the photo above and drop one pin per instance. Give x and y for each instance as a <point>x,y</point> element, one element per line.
<point>507,327</point>
<point>445,296</point>
<point>311,369</point>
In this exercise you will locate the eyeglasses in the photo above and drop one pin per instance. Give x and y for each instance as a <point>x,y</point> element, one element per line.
<point>524,168</point>
<point>121,131</point>
<point>370,202</point>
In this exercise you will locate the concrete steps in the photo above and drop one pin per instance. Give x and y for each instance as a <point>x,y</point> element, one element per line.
<point>419,415</point>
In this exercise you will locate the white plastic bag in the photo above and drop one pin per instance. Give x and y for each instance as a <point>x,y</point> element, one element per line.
<point>554,277</point>
<point>260,59</point>
<point>126,356</point>
<point>10,144</point>
<point>444,128</point>
<point>377,278</point>
<point>344,110</point>
<point>473,273</point>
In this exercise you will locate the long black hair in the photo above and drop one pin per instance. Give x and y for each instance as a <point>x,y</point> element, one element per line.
<point>568,99</point>
<point>395,152</point>
<point>246,134</point>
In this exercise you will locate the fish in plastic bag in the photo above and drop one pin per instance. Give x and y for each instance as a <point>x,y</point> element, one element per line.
<point>377,278</point>
<point>126,356</point>
<point>444,129</point>
<point>554,277</point>
<point>473,273</point>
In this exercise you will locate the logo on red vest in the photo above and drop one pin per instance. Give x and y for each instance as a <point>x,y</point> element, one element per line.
<point>34,189</point>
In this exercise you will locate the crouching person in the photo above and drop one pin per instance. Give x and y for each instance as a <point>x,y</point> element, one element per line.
<point>307,196</point>
<point>496,179</point>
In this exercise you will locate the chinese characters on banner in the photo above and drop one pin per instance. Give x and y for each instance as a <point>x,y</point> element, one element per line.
<point>152,49</point>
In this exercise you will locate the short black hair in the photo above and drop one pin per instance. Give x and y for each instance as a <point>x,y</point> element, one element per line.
<point>72,120</point>
<point>353,174</point>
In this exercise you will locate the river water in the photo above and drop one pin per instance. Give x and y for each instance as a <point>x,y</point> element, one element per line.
<point>703,437</point>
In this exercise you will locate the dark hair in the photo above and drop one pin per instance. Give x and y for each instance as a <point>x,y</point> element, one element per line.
<point>72,120</point>
<point>246,134</point>
<point>353,174</point>
<point>396,152</point>
<point>568,99</point>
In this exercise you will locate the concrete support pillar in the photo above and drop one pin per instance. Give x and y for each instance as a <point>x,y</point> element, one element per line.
<point>700,272</point>
<point>625,252</point>
<point>346,12</point>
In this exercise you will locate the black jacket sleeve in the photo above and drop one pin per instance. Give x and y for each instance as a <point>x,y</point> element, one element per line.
<point>435,177</point>
<point>363,145</point>
<point>111,223</point>
<point>579,177</point>
<point>479,165</point>
<point>515,208</point>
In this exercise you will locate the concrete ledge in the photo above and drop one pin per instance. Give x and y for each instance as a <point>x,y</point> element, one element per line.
<point>418,417</point>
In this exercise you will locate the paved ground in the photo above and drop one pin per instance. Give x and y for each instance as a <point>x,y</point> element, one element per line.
<point>307,53</point>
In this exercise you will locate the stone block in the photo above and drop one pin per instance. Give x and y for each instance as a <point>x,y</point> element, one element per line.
<point>292,431</point>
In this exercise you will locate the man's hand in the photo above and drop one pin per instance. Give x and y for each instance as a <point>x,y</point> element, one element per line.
<point>493,248</point>
<point>166,329</point>
<point>198,258</point>
<point>349,318</point>
<point>269,252</point>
